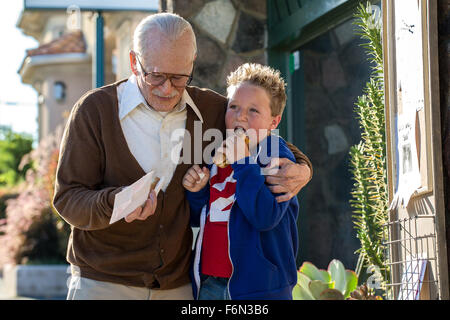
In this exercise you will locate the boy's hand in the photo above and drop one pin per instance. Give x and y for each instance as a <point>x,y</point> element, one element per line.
<point>195,178</point>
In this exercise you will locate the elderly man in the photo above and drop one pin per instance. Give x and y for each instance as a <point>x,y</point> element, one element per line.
<point>114,136</point>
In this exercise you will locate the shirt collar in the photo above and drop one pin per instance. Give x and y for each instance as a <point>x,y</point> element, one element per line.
<point>131,98</point>
<point>188,100</point>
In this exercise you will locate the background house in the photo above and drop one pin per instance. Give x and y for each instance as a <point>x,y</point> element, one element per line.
<point>60,69</point>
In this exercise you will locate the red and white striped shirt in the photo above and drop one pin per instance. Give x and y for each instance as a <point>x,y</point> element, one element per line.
<point>215,259</point>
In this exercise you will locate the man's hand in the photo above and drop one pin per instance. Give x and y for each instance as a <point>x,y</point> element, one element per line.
<point>145,211</point>
<point>285,176</point>
<point>195,178</point>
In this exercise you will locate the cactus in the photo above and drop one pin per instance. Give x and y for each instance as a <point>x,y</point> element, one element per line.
<point>335,283</point>
<point>368,158</point>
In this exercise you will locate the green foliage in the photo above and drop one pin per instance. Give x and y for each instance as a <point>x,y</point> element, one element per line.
<point>13,146</point>
<point>369,28</point>
<point>30,231</point>
<point>45,240</point>
<point>336,283</point>
<point>364,293</point>
<point>5,195</point>
<point>368,158</point>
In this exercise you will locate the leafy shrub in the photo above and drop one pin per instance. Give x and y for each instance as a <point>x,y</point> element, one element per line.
<point>335,283</point>
<point>13,146</point>
<point>5,195</point>
<point>32,232</point>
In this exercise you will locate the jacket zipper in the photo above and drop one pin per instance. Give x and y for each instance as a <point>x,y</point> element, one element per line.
<point>198,248</point>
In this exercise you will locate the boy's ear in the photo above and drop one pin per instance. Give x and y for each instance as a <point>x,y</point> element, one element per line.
<point>275,121</point>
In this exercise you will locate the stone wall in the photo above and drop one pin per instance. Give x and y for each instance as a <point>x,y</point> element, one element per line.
<point>335,73</point>
<point>229,33</point>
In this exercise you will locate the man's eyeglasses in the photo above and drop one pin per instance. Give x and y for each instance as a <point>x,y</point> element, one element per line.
<point>157,78</point>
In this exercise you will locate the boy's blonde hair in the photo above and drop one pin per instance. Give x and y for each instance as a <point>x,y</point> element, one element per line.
<point>262,76</point>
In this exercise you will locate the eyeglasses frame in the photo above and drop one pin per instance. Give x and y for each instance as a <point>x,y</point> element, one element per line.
<point>168,76</point>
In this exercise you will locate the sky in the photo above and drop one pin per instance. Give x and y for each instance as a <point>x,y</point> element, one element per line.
<point>18,101</point>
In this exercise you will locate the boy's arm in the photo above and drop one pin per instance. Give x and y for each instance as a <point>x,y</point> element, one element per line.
<point>258,204</point>
<point>197,200</point>
<point>292,176</point>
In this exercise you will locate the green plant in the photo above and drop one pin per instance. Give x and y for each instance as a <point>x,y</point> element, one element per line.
<point>6,193</point>
<point>13,146</point>
<point>368,158</point>
<point>30,231</point>
<point>335,283</point>
<point>364,293</point>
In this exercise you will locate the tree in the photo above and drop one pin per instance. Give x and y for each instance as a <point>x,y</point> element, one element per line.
<point>13,146</point>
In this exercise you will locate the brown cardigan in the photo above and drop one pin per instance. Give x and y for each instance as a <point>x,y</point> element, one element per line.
<point>95,163</point>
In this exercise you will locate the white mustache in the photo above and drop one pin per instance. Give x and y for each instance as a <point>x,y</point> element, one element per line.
<point>158,93</point>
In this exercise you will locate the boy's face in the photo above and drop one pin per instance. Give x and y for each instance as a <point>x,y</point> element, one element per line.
<point>249,108</point>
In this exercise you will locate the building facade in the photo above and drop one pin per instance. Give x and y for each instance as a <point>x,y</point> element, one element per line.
<point>60,69</point>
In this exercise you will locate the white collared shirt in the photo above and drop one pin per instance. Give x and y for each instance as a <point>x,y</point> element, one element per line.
<point>154,138</point>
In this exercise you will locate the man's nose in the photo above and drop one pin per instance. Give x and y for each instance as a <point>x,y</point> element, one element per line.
<point>166,87</point>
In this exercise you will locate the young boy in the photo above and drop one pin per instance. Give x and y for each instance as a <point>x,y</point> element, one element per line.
<point>248,242</point>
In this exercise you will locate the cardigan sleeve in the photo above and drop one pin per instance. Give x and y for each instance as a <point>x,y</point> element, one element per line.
<point>79,196</point>
<point>300,157</point>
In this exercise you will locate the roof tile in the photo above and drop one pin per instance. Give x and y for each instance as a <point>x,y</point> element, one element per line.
<point>68,43</point>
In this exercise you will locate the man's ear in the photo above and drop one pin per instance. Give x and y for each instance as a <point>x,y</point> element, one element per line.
<point>133,64</point>
<point>275,121</point>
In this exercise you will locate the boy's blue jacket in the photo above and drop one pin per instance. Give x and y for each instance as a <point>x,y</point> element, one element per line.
<point>262,233</point>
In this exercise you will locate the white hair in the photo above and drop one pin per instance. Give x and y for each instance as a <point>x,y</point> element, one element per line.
<point>171,25</point>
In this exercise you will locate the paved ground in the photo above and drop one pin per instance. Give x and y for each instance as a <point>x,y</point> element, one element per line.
<point>43,283</point>
<point>5,296</point>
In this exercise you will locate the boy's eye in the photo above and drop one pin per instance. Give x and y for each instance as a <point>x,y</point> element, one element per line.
<point>232,106</point>
<point>254,110</point>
